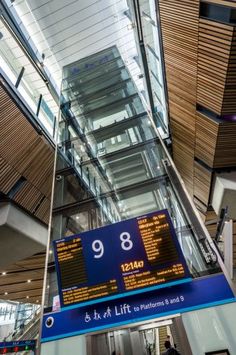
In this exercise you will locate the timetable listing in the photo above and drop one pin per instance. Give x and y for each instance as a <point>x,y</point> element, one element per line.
<point>71,263</point>
<point>157,239</point>
<point>83,294</point>
<point>152,278</point>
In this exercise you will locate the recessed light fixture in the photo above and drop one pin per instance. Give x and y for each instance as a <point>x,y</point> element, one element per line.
<point>4,273</point>
<point>28,281</point>
<point>50,251</point>
<point>37,301</point>
<point>130,26</point>
<point>27,297</point>
<point>6,293</point>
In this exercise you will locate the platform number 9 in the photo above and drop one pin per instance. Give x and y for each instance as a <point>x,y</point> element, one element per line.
<point>98,247</point>
<point>126,244</point>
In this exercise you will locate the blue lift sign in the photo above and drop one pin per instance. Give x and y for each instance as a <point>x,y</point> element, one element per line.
<point>203,292</point>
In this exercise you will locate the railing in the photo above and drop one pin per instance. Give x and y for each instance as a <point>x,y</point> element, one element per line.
<point>26,330</point>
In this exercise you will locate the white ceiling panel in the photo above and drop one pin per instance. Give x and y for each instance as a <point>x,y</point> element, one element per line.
<point>68,30</point>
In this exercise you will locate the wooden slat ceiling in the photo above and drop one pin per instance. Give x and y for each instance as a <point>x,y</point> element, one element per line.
<point>24,153</point>
<point>15,282</point>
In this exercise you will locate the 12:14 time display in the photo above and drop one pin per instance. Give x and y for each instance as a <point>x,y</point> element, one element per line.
<point>133,265</point>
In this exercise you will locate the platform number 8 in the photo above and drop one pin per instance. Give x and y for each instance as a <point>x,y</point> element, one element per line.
<point>126,242</point>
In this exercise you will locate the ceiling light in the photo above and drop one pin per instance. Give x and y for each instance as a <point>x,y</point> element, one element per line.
<point>48,286</point>
<point>37,301</point>
<point>27,297</point>
<point>50,251</point>
<point>4,273</point>
<point>28,281</point>
<point>6,293</point>
<point>130,26</point>
<point>77,217</point>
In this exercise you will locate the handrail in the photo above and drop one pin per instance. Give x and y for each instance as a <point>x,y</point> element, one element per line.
<point>19,331</point>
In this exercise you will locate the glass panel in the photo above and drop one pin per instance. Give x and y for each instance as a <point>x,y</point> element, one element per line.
<point>154,61</point>
<point>31,86</point>
<point>111,165</point>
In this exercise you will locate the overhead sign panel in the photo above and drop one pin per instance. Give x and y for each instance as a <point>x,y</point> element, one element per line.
<point>132,256</point>
<point>203,292</point>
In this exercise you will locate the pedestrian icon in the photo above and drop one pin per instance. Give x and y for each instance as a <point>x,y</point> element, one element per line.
<point>107,313</point>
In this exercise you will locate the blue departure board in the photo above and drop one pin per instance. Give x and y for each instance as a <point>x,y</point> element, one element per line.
<point>128,257</point>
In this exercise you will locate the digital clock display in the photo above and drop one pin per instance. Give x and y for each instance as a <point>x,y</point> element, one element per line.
<point>124,258</point>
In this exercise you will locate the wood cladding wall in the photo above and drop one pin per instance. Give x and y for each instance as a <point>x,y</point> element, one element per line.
<point>215,142</point>
<point>24,153</point>
<point>225,155</point>
<point>206,137</point>
<point>202,184</point>
<point>229,101</point>
<point>214,48</point>
<point>179,24</point>
<point>200,61</point>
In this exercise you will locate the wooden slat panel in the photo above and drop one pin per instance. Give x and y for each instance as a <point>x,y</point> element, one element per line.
<point>22,295</point>
<point>214,49</point>
<point>212,222</point>
<point>17,287</point>
<point>202,183</point>
<point>201,207</point>
<point>183,160</point>
<point>23,152</point>
<point>229,102</point>
<point>8,176</point>
<point>206,137</point>
<point>225,154</point>
<point>202,215</point>
<point>215,142</point>
<point>179,23</point>
<point>28,197</point>
<point>43,210</point>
